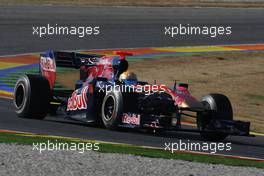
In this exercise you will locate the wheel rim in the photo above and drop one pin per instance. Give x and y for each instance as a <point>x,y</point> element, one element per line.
<point>109,108</point>
<point>20,96</point>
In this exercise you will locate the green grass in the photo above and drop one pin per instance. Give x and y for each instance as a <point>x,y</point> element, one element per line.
<point>131,149</point>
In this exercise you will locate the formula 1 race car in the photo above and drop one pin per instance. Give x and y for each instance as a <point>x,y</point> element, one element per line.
<point>107,94</point>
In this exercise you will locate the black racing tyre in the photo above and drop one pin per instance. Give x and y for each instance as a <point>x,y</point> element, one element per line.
<point>112,109</point>
<point>223,110</point>
<point>32,96</point>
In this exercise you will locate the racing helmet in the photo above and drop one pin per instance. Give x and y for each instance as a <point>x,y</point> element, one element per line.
<point>129,78</point>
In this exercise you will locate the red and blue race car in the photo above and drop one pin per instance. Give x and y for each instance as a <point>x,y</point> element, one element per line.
<point>108,94</point>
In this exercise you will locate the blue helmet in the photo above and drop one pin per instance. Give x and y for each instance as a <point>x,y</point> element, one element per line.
<point>128,78</point>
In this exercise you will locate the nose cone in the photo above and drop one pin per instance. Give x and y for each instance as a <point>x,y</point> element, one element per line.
<point>186,100</point>
<point>190,102</point>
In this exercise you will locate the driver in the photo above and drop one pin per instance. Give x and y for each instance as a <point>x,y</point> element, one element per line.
<point>128,78</point>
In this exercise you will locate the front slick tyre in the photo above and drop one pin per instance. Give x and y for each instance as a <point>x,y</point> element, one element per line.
<point>112,109</point>
<point>32,96</point>
<point>223,111</point>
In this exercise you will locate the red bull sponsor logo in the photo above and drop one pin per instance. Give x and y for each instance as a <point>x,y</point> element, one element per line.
<point>78,101</point>
<point>133,119</point>
<point>47,64</point>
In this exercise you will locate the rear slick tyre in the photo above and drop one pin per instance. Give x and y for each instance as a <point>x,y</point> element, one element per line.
<point>32,96</point>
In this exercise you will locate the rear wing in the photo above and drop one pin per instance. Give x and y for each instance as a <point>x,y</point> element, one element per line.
<point>75,60</point>
<point>71,59</point>
<point>52,59</point>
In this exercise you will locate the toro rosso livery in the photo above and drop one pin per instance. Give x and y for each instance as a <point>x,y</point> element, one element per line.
<point>108,94</point>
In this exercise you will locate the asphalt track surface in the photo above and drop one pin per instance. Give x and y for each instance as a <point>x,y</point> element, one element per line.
<point>241,146</point>
<point>121,28</point>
